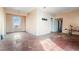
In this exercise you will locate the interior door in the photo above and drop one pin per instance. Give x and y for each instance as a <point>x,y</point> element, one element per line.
<point>54,25</point>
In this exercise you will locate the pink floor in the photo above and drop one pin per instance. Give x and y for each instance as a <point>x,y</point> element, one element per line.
<point>22,41</point>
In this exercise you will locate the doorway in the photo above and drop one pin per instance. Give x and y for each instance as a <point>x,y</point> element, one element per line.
<point>60,20</point>
<point>56,25</point>
<point>16,21</point>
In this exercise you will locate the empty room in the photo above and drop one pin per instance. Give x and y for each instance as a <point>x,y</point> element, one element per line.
<point>39,29</point>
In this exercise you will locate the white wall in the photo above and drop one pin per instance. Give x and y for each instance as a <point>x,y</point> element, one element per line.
<point>43,27</point>
<point>35,25</point>
<point>31,20</point>
<point>2,22</point>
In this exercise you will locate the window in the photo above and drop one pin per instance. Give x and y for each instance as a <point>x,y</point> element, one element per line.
<point>16,21</point>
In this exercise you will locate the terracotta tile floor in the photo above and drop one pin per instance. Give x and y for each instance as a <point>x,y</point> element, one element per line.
<point>22,41</point>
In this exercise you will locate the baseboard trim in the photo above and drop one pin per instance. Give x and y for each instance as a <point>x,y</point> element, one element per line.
<point>14,32</point>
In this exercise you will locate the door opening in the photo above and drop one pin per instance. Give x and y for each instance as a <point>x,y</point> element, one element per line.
<point>56,24</point>
<point>60,20</point>
<point>16,23</point>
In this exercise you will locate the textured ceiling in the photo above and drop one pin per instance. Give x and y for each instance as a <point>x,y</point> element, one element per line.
<point>50,10</point>
<point>56,10</point>
<point>20,9</point>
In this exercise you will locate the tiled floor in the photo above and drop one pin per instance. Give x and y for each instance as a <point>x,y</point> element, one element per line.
<point>22,41</point>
